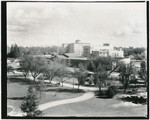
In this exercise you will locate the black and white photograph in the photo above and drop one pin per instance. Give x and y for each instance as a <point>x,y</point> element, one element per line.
<point>76,59</point>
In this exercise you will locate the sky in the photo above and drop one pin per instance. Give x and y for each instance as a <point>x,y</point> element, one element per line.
<point>46,23</point>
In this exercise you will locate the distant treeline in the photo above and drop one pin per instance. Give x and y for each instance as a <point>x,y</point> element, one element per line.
<point>137,53</point>
<point>16,51</point>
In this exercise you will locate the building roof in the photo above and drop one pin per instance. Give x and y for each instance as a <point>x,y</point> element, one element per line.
<point>71,57</point>
<point>61,57</point>
<point>77,58</point>
<point>74,55</point>
<point>44,56</point>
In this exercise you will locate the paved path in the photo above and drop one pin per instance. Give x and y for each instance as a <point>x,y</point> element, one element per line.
<point>85,96</point>
<point>86,88</point>
<point>44,106</point>
<point>76,86</point>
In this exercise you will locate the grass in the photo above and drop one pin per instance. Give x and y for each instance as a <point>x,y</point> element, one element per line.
<point>17,88</point>
<point>21,81</point>
<point>96,107</point>
<point>59,93</point>
<point>9,109</point>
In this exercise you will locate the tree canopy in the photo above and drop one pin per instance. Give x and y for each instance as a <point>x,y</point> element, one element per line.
<point>133,51</point>
<point>101,63</point>
<point>14,52</point>
<point>125,72</point>
<point>35,65</point>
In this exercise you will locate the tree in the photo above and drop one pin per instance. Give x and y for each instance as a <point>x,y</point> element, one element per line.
<point>81,76</point>
<point>138,56</point>
<point>63,73</point>
<point>100,66</point>
<point>125,72</point>
<point>143,72</point>
<point>37,66</point>
<point>128,51</point>
<point>102,76</point>
<point>25,65</point>
<point>62,50</point>
<point>139,50</point>
<point>30,104</point>
<point>51,70</point>
<point>14,51</point>
<point>104,62</point>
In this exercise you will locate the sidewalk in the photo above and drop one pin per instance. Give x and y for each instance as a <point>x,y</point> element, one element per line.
<point>75,86</point>
<point>85,96</point>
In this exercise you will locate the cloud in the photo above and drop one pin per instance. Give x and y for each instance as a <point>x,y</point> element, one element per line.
<point>129,29</point>
<point>17,28</point>
<point>48,23</point>
<point>21,21</point>
<point>122,31</point>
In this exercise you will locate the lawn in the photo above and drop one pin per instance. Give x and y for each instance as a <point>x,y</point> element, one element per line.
<point>17,88</point>
<point>100,107</point>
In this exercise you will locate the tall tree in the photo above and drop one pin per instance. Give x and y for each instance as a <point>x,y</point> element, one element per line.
<point>30,105</point>
<point>102,76</point>
<point>14,51</point>
<point>100,66</point>
<point>125,72</point>
<point>80,74</point>
<point>143,73</point>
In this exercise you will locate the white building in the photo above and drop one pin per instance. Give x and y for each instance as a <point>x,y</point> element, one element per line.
<point>116,53</point>
<point>83,49</point>
<point>107,50</point>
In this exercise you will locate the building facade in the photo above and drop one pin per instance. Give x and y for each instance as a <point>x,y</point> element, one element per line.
<point>107,50</point>
<point>83,49</point>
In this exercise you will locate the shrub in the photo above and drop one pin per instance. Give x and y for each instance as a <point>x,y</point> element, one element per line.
<point>110,93</point>
<point>114,88</point>
<point>102,92</point>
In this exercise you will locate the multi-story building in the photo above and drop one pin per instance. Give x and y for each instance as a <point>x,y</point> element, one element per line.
<point>86,51</point>
<point>83,49</point>
<point>116,53</point>
<point>103,52</point>
<point>107,50</point>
